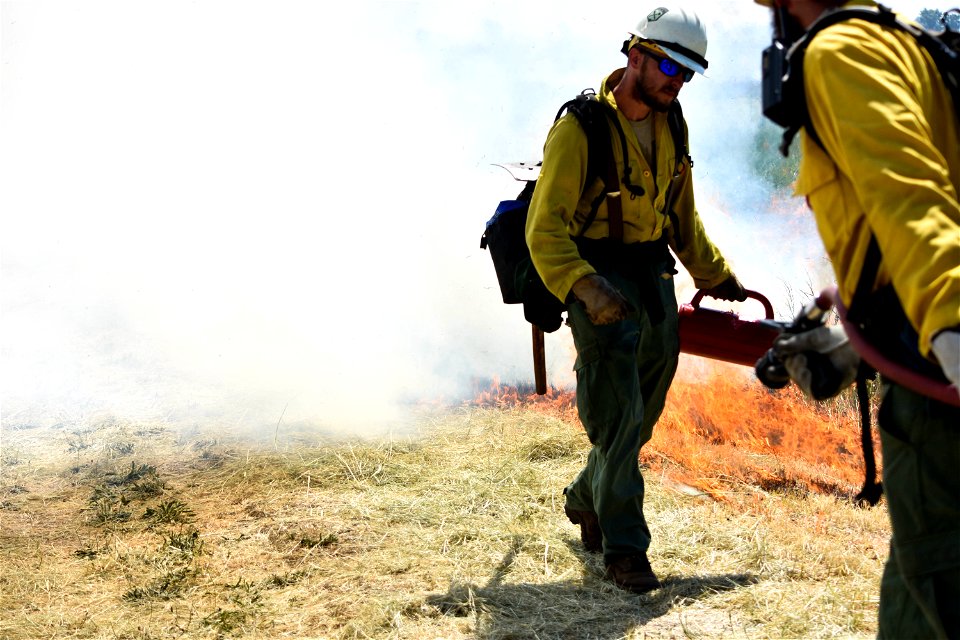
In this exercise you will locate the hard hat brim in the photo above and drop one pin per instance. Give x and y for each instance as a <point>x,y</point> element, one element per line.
<point>687,62</point>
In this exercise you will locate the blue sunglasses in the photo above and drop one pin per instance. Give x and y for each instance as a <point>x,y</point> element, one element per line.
<point>670,68</point>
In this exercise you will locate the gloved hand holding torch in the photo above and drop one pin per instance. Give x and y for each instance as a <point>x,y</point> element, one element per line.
<point>823,361</point>
<point>730,289</point>
<point>818,358</point>
<point>820,361</point>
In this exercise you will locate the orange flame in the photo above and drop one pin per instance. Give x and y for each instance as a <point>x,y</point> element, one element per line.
<point>722,430</point>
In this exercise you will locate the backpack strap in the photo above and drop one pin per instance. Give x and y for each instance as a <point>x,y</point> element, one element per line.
<point>614,206</point>
<point>868,275</point>
<point>944,50</point>
<point>592,116</point>
<point>677,131</point>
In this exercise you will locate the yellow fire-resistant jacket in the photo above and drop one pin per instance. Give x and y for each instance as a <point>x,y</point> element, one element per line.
<point>557,210</point>
<point>892,167</point>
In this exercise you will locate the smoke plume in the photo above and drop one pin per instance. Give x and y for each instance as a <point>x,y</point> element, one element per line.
<point>254,212</point>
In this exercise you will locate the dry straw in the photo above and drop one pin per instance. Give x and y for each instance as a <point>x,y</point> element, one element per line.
<point>456,532</point>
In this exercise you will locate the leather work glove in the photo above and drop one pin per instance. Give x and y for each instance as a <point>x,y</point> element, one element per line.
<point>821,361</point>
<point>946,347</point>
<point>729,289</point>
<point>603,303</point>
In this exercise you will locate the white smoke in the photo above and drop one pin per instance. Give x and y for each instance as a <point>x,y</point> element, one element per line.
<point>247,210</point>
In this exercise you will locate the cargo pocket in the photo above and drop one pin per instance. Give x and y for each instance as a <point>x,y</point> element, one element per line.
<point>605,369</point>
<point>669,329</point>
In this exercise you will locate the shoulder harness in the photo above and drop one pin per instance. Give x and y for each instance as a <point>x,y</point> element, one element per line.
<point>943,47</point>
<point>592,114</point>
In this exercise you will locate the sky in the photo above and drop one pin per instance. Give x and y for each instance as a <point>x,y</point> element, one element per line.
<point>255,212</point>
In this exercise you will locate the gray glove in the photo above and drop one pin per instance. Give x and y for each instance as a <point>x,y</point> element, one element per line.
<point>603,303</point>
<point>821,361</point>
<point>946,346</point>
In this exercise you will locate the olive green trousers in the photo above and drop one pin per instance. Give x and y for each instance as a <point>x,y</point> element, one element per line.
<point>623,373</point>
<point>920,589</point>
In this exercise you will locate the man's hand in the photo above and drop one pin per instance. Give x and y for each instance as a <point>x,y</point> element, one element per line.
<point>729,289</point>
<point>821,361</point>
<point>603,303</point>
<point>946,347</point>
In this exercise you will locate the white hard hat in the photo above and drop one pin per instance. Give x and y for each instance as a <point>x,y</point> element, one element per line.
<point>677,33</point>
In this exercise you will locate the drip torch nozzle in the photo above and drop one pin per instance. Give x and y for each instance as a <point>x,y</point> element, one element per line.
<point>770,369</point>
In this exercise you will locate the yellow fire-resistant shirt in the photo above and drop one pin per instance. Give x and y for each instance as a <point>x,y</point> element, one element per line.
<point>557,210</point>
<point>892,166</point>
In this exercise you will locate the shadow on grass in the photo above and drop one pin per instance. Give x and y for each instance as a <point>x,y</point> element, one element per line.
<point>591,608</point>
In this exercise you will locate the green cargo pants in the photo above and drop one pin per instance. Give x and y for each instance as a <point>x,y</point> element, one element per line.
<point>623,373</point>
<point>920,589</point>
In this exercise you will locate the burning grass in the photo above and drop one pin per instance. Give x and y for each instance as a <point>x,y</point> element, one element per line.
<point>722,429</point>
<point>456,532</point>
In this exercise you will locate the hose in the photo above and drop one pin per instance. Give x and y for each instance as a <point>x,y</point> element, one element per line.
<point>918,383</point>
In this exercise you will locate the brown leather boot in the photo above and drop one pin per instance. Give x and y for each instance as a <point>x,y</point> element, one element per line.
<point>590,534</point>
<point>633,573</point>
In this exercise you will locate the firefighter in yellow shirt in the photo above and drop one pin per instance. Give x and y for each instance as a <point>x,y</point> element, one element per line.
<point>615,270</point>
<point>880,169</point>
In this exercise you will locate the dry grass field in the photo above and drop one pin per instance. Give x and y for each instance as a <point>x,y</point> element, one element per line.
<point>111,529</point>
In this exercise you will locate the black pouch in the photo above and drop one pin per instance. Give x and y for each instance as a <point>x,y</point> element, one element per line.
<point>519,281</point>
<point>504,238</point>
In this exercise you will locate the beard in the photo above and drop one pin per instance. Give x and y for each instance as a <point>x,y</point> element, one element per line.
<point>659,99</point>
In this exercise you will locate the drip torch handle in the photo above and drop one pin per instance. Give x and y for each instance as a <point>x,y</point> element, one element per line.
<point>756,295</point>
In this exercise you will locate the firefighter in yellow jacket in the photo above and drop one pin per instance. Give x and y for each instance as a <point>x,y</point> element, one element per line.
<point>880,169</point>
<point>616,274</point>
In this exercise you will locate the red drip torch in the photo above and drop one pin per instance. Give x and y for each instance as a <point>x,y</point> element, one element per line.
<point>722,335</point>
